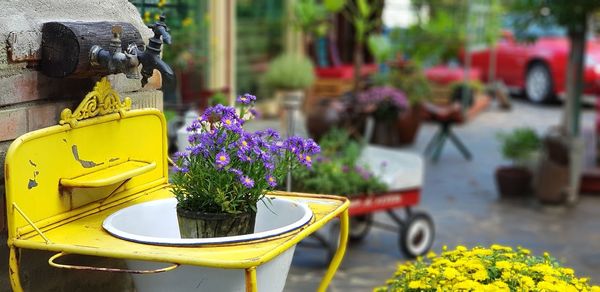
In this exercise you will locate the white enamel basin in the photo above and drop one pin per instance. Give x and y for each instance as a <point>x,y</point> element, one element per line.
<point>155,222</point>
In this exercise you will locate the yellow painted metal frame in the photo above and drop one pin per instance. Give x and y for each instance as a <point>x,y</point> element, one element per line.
<point>63,181</point>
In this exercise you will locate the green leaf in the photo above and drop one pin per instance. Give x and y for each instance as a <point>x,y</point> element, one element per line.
<point>334,5</point>
<point>363,8</point>
<point>380,47</point>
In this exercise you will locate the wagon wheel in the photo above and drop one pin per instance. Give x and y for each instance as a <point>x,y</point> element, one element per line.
<point>360,226</point>
<point>416,236</point>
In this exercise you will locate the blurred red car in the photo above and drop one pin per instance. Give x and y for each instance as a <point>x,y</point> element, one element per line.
<point>539,68</point>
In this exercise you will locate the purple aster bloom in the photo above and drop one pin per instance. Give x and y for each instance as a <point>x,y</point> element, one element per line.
<point>182,169</point>
<point>311,147</point>
<point>247,182</point>
<point>215,113</point>
<point>194,126</point>
<point>179,154</point>
<point>231,123</point>
<point>222,159</point>
<point>271,180</point>
<point>269,165</point>
<point>362,172</point>
<point>243,156</point>
<point>247,98</point>
<point>255,113</point>
<point>268,134</point>
<point>194,138</point>
<point>236,171</point>
<point>306,160</point>
<point>294,144</point>
<point>196,149</point>
<point>345,168</point>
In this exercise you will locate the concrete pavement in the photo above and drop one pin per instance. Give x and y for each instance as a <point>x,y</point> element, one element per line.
<point>462,198</point>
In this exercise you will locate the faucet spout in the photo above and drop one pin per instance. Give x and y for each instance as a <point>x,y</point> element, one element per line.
<point>117,61</point>
<point>114,59</point>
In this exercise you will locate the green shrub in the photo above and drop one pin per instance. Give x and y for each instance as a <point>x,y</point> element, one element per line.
<point>519,144</point>
<point>291,72</point>
<point>337,170</point>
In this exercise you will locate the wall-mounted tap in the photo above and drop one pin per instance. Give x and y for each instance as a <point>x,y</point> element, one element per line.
<point>114,59</point>
<point>117,61</point>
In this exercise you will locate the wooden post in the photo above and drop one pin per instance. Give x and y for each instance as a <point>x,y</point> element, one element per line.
<point>66,46</point>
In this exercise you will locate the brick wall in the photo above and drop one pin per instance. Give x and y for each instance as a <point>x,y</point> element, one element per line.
<point>30,101</point>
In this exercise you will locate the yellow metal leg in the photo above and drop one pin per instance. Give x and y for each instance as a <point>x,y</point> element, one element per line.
<point>339,254</point>
<point>13,270</point>
<point>251,280</point>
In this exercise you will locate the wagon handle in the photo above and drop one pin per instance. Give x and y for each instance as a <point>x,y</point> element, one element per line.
<point>114,270</point>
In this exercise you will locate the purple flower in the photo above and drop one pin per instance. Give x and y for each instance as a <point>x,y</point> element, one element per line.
<point>231,123</point>
<point>243,156</point>
<point>271,180</point>
<point>383,94</point>
<point>246,98</point>
<point>236,171</point>
<point>179,155</point>
<point>182,169</point>
<point>268,134</point>
<point>311,147</point>
<point>194,126</point>
<point>215,113</point>
<point>222,159</point>
<point>306,160</point>
<point>364,173</point>
<point>345,168</point>
<point>255,113</point>
<point>247,182</point>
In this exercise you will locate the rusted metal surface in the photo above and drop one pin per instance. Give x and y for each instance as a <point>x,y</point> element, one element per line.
<point>24,46</point>
<point>251,283</point>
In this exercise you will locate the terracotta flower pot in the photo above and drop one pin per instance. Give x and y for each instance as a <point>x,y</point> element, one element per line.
<point>408,124</point>
<point>323,117</point>
<point>207,225</point>
<point>385,132</point>
<point>513,181</point>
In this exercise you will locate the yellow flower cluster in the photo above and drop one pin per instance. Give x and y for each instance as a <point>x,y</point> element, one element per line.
<point>497,268</point>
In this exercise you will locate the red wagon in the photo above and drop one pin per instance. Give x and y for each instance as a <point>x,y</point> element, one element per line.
<point>404,175</point>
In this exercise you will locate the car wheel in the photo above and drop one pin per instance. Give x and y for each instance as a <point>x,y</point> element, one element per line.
<point>538,83</point>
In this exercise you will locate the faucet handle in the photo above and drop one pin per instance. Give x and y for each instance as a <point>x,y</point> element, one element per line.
<point>117,30</point>
<point>161,29</point>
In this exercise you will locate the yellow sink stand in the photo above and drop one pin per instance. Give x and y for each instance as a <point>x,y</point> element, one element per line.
<point>64,180</point>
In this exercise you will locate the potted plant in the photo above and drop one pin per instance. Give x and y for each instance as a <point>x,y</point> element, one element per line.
<point>384,104</point>
<point>497,268</point>
<point>338,171</point>
<point>409,78</point>
<point>289,75</point>
<point>519,146</point>
<point>226,171</point>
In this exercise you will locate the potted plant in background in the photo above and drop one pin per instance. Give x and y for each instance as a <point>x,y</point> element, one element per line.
<point>497,268</point>
<point>226,171</point>
<point>520,146</point>
<point>290,75</point>
<point>409,78</point>
<point>339,171</point>
<point>384,104</point>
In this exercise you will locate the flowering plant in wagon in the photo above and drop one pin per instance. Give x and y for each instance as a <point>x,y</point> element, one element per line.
<point>226,172</point>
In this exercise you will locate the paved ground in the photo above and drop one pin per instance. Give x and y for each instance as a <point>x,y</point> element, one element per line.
<point>462,199</point>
